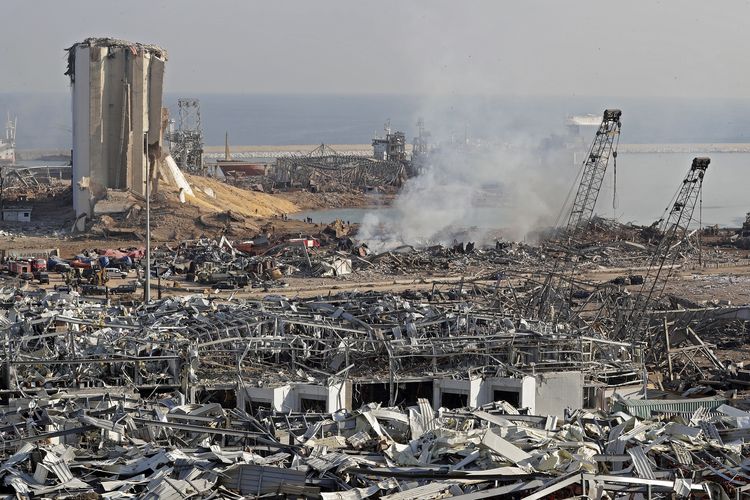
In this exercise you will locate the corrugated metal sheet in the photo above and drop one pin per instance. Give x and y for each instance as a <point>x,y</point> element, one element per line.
<point>506,449</point>
<point>430,490</point>
<point>710,431</point>
<point>698,415</point>
<point>276,457</point>
<point>329,461</point>
<point>56,465</point>
<point>19,456</point>
<point>641,463</point>
<point>18,484</point>
<point>136,466</point>
<point>681,453</point>
<point>353,494</point>
<point>644,408</point>
<point>502,491</point>
<point>637,429</point>
<point>107,425</point>
<point>428,416</point>
<point>258,479</point>
<point>176,489</point>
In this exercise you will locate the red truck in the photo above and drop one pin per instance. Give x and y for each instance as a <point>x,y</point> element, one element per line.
<point>34,266</point>
<point>18,267</point>
<point>38,265</point>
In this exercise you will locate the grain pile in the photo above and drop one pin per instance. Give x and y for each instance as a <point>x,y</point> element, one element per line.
<point>237,200</point>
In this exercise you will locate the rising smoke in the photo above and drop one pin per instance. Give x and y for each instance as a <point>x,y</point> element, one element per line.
<point>515,183</point>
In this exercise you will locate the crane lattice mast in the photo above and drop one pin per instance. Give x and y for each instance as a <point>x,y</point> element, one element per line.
<point>594,168</point>
<point>602,149</point>
<point>674,230</point>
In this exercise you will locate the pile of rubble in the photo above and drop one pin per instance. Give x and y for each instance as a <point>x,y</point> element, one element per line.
<point>445,333</point>
<point>115,444</point>
<point>460,390</point>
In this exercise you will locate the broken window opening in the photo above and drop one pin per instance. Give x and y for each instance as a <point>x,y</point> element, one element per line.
<point>312,405</point>
<point>227,398</point>
<point>370,393</point>
<point>511,397</point>
<point>454,400</point>
<point>409,392</point>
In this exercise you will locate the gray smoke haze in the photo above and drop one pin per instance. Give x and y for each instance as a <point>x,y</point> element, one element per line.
<point>466,192</point>
<point>500,177</point>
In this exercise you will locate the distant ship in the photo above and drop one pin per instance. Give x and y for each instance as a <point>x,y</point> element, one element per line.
<point>238,167</point>
<point>8,143</point>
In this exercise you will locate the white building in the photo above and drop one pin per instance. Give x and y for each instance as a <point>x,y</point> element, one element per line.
<point>17,214</point>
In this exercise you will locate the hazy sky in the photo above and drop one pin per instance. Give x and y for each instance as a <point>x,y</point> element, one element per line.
<point>685,48</point>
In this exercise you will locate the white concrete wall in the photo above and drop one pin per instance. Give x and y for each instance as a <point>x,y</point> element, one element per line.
<point>280,397</point>
<point>139,124</point>
<point>108,95</point>
<point>255,395</point>
<point>17,216</point>
<point>557,391</point>
<point>528,394</point>
<point>277,397</point>
<point>340,396</point>
<point>156,82</point>
<point>472,388</point>
<point>289,397</point>
<point>298,392</point>
<point>545,394</point>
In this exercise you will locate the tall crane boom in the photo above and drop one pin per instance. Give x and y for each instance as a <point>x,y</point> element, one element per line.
<point>674,230</point>
<point>604,146</point>
<point>594,168</point>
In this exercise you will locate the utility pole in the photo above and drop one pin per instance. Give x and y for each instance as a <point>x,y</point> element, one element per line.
<point>700,227</point>
<point>2,184</point>
<point>147,289</point>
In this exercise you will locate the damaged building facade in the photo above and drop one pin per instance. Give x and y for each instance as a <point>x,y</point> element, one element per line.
<point>117,116</point>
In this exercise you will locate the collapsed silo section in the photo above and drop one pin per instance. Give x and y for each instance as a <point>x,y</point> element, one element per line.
<point>117,118</point>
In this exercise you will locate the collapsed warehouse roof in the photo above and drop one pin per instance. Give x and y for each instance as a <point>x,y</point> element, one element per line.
<point>115,444</point>
<point>196,396</point>
<point>323,169</point>
<point>360,339</point>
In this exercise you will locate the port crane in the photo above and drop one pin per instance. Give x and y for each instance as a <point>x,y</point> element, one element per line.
<point>634,326</point>
<point>602,149</point>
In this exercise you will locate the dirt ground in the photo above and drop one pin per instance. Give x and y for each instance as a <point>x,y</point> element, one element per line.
<point>698,285</point>
<point>163,231</point>
<point>216,209</point>
<point>306,200</point>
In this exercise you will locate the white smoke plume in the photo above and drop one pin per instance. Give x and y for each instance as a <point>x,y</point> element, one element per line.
<point>468,192</point>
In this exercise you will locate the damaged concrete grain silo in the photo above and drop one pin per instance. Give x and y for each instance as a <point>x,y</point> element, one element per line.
<point>117,117</point>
